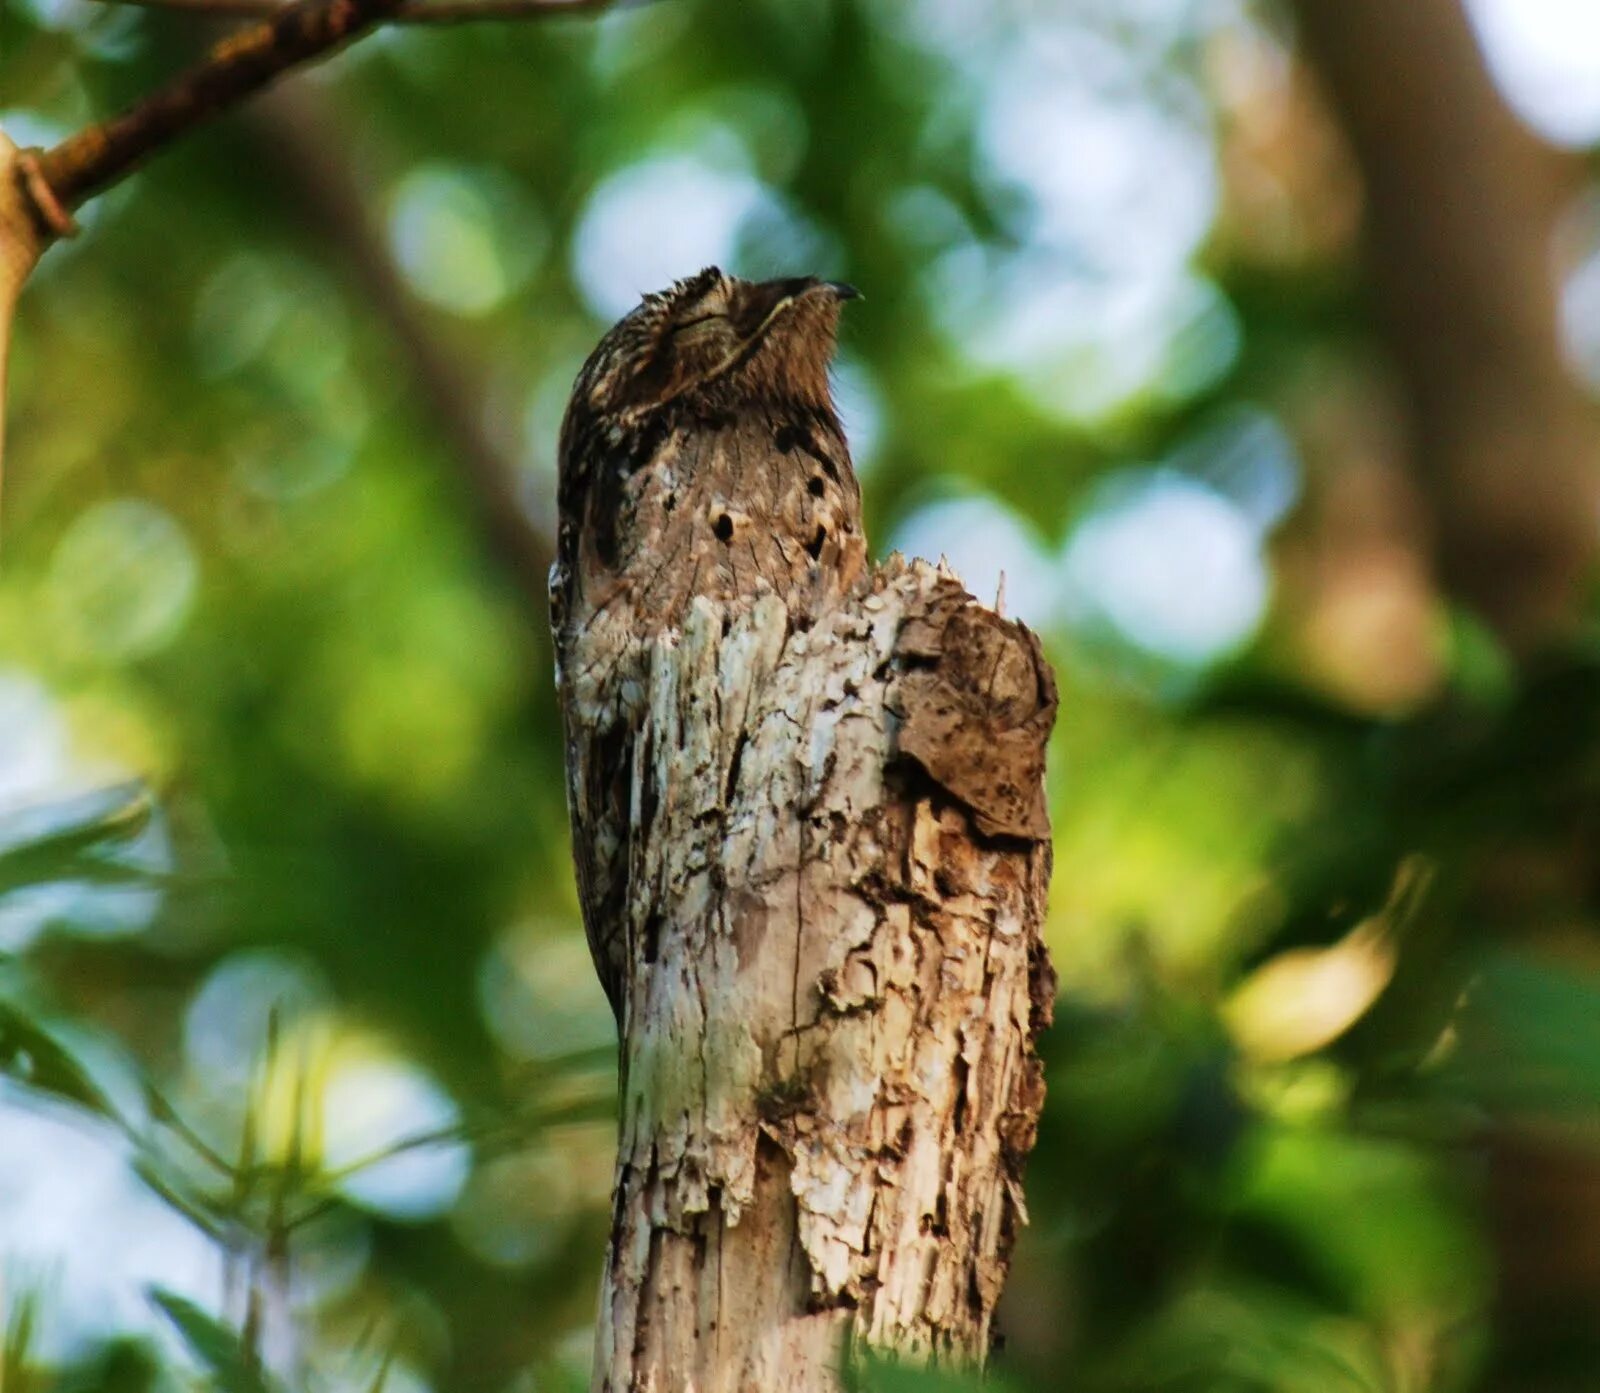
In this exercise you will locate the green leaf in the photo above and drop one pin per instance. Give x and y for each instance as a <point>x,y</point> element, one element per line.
<point>381,1377</point>
<point>30,1054</point>
<point>16,1353</point>
<point>217,1346</point>
<point>1247,1339</point>
<point>71,839</point>
<point>1529,1037</point>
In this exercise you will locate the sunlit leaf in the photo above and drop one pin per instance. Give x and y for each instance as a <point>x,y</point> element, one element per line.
<point>193,1208</point>
<point>70,839</point>
<point>31,1054</point>
<point>381,1376</point>
<point>1306,997</point>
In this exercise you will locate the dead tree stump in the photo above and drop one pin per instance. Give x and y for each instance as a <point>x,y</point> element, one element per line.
<point>837,866</point>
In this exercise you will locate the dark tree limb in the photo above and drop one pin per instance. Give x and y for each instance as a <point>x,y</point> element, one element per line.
<point>92,160</point>
<point>42,187</point>
<point>1461,204</point>
<point>408,12</point>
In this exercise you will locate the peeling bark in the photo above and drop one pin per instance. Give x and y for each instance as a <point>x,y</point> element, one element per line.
<point>837,863</point>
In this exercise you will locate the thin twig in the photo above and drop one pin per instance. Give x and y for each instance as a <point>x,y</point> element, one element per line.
<point>196,1211</point>
<point>239,66</point>
<point>408,12</point>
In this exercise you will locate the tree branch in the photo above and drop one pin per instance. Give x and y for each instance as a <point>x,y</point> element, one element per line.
<point>239,66</point>
<point>408,12</point>
<point>38,190</point>
<point>1461,203</point>
<point>21,241</point>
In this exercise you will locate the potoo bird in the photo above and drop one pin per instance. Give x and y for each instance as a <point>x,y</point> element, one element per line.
<point>701,455</point>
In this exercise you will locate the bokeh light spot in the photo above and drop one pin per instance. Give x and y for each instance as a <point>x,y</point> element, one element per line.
<point>226,1026</point>
<point>34,748</point>
<point>42,791</point>
<point>861,410</point>
<point>982,538</point>
<point>463,239</point>
<point>517,1210</point>
<point>1107,176</point>
<point>235,314</point>
<point>375,1103</point>
<point>1168,564</point>
<point>1579,237</point>
<point>1246,455</point>
<point>73,1210</point>
<point>651,223</point>
<point>538,993</point>
<point>1545,54</point>
<point>123,579</point>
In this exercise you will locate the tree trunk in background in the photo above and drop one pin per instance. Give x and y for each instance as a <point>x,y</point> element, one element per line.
<point>1462,203</point>
<point>302,136</point>
<point>1461,208</point>
<point>838,864</point>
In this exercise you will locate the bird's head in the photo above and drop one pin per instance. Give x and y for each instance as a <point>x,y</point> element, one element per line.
<point>718,341</point>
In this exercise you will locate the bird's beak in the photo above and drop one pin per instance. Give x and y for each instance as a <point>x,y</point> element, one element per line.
<point>768,301</point>
<point>810,285</point>
<point>780,294</point>
<point>773,298</point>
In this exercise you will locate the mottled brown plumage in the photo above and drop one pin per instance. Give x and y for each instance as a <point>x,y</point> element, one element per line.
<point>700,456</point>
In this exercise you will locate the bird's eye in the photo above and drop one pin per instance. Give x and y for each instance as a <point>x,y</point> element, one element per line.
<point>699,319</point>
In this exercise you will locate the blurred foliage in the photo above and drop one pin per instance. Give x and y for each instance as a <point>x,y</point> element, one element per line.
<point>303,1072</point>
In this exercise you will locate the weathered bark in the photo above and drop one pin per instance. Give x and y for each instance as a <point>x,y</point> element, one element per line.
<point>837,870</point>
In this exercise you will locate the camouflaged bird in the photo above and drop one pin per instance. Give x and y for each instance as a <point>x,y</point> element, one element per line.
<point>701,455</point>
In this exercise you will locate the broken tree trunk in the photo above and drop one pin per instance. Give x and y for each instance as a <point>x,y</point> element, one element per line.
<point>838,860</point>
